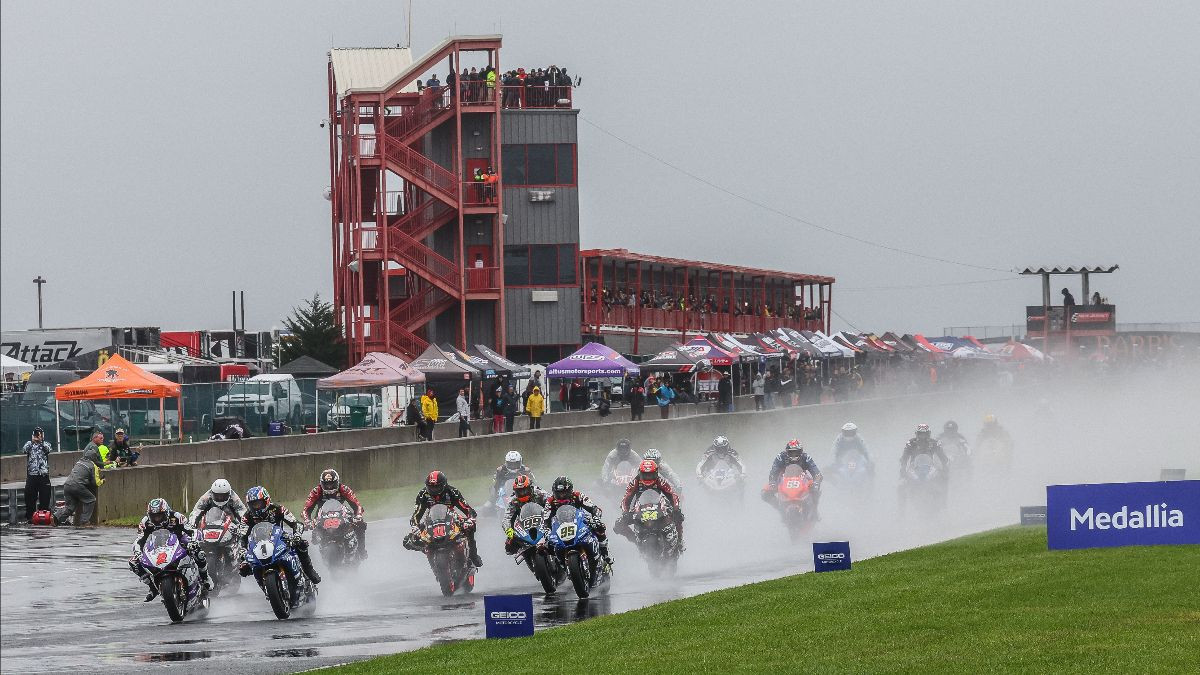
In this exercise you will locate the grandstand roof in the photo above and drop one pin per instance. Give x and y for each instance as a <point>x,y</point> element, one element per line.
<point>624,254</point>
<point>1071,269</point>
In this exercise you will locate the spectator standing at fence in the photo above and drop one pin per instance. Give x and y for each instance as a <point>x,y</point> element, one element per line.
<point>535,406</point>
<point>37,474</point>
<point>637,399</point>
<point>579,395</point>
<point>463,407</point>
<point>663,396</point>
<point>497,407</point>
<point>126,455</point>
<point>510,407</point>
<point>725,393</point>
<point>429,410</point>
<point>759,388</point>
<point>412,415</point>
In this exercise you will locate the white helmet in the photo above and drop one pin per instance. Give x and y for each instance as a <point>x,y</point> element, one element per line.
<point>512,460</point>
<point>653,454</point>
<point>221,489</point>
<point>850,427</point>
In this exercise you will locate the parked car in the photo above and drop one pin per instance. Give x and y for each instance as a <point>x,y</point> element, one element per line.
<point>339,414</point>
<point>263,398</point>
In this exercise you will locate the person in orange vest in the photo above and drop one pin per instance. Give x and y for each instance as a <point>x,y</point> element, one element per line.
<point>490,179</point>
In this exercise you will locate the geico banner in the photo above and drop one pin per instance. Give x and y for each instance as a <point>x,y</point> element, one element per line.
<point>506,616</point>
<point>831,556</point>
<point>1123,514</point>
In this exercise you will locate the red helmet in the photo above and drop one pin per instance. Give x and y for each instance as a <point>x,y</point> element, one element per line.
<point>648,472</point>
<point>436,483</point>
<point>523,488</point>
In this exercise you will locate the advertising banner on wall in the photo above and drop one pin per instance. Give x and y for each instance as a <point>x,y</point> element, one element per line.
<point>1123,514</point>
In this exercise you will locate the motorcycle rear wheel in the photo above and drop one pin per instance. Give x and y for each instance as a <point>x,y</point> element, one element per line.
<point>277,593</point>
<point>171,597</point>
<point>575,569</point>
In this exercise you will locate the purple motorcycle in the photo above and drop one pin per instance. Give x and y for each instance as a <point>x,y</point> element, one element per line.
<point>175,575</point>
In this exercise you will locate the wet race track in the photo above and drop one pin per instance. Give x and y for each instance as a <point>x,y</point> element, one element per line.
<point>69,602</point>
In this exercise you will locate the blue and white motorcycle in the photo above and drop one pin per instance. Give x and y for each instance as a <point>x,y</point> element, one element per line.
<point>526,532</point>
<point>276,567</point>
<point>572,543</point>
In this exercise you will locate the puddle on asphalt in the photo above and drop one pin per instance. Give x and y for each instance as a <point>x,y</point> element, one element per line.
<point>294,636</point>
<point>557,611</point>
<point>306,653</point>
<point>167,657</point>
<point>460,605</point>
<point>448,629</point>
<point>186,642</point>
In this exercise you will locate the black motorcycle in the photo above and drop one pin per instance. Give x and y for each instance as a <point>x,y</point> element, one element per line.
<point>336,536</point>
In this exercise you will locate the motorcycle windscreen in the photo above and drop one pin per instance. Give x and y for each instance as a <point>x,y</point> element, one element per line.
<point>624,470</point>
<point>924,467</point>
<point>332,508</point>
<point>215,518</point>
<point>438,513</point>
<point>649,498</point>
<point>160,547</point>
<point>530,516</point>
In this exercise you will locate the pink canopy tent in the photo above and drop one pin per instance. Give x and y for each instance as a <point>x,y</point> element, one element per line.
<point>375,370</point>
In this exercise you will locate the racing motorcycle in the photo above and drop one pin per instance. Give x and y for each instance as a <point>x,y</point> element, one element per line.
<point>960,457</point>
<point>795,500</point>
<point>276,567</point>
<point>527,531</point>
<point>622,475</point>
<point>723,479</point>
<point>923,485</point>
<point>174,573</point>
<point>335,534</point>
<point>572,543</point>
<point>444,542</point>
<point>217,535</point>
<point>655,532</point>
<point>994,457</point>
<point>853,473</point>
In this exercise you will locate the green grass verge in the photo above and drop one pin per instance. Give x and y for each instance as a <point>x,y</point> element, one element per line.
<point>993,601</point>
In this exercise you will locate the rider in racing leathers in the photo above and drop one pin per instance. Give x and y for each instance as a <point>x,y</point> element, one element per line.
<point>649,479</point>
<point>720,448</point>
<point>950,435</point>
<point>512,467</point>
<point>159,515</point>
<point>923,443</point>
<point>332,487</point>
<point>624,452</point>
<point>523,492</point>
<point>438,490</point>
<point>259,509</point>
<point>666,472</point>
<point>992,431</point>
<point>848,441</point>
<point>793,453</point>
<point>563,493</point>
<point>221,496</point>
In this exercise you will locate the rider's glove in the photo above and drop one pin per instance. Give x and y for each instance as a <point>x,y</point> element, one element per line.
<point>508,532</point>
<point>244,569</point>
<point>193,546</point>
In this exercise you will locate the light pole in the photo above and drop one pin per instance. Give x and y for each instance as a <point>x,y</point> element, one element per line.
<point>39,281</point>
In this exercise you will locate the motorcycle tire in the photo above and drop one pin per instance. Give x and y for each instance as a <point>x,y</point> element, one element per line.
<point>541,570</point>
<point>278,594</point>
<point>441,569</point>
<point>576,569</point>
<point>174,597</point>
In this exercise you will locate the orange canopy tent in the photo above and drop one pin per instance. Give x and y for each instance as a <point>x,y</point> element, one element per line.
<point>118,378</point>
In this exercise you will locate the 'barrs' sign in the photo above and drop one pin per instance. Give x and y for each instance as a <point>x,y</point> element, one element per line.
<point>1123,514</point>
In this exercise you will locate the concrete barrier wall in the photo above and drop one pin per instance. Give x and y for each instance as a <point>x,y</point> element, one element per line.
<point>390,465</point>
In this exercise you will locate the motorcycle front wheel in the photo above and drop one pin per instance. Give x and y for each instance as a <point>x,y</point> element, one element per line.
<point>577,570</point>
<point>440,562</point>
<point>541,570</point>
<point>278,593</point>
<point>174,597</point>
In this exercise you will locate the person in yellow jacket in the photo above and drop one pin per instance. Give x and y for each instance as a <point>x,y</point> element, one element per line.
<point>535,406</point>
<point>491,84</point>
<point>429,410</point>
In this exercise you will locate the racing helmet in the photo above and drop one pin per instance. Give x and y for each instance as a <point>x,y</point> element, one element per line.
<point>258,500</point>
<point>331,483</point>
<point>721,443</point>
<point>157,511</point>
<point>624,445</point>
<point>523,488</point>
<point>512,461</point>
<point>950,427</point>
<point>923,431</point>
<point>989,420</point>
<point>436,483</point>
<point>563,488</point>
<point>794,449</point>
<point>648,473</point>
<point>849,429</point>
<point>653,454</point>
<point>220,491</point>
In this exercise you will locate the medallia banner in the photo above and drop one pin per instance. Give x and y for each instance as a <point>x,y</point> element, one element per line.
<point>1123,514</point>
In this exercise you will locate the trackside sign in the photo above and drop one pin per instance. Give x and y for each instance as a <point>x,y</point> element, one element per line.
<point>1123,514</point>
<point>831,556</point>
<point>506,616</point>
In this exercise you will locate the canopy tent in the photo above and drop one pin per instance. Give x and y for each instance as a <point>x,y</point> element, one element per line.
<point>972,340</point>
<point>1016,351</point>
<point>796,339</point>
<point>12,369</point>
<point>441,366</point>
<point>305,366</point>
<point>117,378</point>
<point>776,345</point>
<point>375,370</point>
<point>826,345</point>
<point>927,345</point>
<point>727,342</point>
<point>592,360</point>
<point>677,358</point>
<point>754,349</point>
<point>487,369</point>
<point>960,348</point>
<point>892,340</point>
<point>516,370</point>
<point>703,349</point>
<point>879,343</point>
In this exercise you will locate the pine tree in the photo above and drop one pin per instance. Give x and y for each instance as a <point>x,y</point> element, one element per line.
<point>315,333</point>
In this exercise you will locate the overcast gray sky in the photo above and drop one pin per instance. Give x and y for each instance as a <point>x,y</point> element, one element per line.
<point>156,156</point>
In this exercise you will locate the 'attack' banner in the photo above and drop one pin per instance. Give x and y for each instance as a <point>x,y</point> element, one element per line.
<point>1123,514</point>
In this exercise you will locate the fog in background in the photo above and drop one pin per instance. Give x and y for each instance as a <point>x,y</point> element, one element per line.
<point>155,156</point>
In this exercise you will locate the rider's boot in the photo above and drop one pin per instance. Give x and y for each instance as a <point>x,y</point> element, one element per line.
<point>202,567</point>
<point>306,564</point>
<point>474,553</point>
<point>153,592</point>
<point>362,541</point>
<point>604,551</point>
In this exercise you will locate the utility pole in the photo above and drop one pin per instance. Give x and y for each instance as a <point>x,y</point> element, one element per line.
<point>39,281</point>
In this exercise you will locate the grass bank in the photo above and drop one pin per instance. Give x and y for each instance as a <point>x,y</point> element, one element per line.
<point>992,601</point>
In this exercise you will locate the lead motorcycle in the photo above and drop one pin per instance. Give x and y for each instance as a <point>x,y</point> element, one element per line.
<point>218,539</point>
<point>336,536</point>
<point>277,569</point>
<point>794,499</point>
<point>444,541</point>
<point>527,532</point>
<point>655,533</point>
<point>573,544</point>
<point>174,573</point>
<point>923,486</point>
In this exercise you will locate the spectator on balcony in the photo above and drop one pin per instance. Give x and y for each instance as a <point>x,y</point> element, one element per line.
<point>490,180</point>
<point>1068,301</point>
<point>478,182</point>
<point>1096,299</point>
<point>464,82</point>
<point>490,82</point>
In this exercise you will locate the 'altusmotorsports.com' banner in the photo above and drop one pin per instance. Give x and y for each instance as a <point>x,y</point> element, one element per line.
<point>1123,514</point>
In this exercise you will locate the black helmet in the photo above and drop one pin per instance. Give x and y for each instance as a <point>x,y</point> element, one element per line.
<point>331,482</point>
<point>436,483</point>
<point>563,488</point>
<point>950,427</point>
<point>624,445</point>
